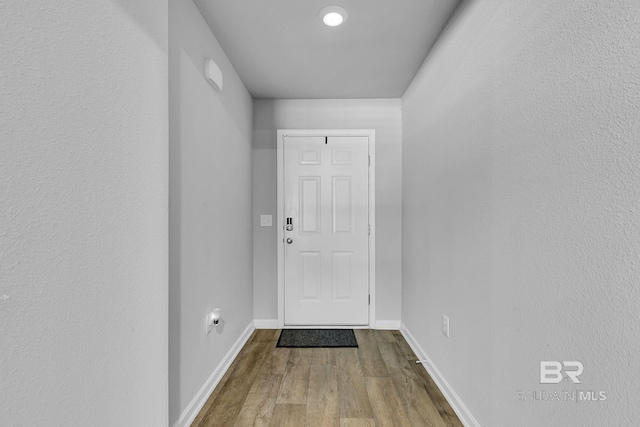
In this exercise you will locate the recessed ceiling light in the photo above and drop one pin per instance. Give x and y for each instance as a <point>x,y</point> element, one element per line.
<point>333,16</point>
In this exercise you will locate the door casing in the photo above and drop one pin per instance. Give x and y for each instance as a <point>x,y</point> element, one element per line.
<point>281,133</point>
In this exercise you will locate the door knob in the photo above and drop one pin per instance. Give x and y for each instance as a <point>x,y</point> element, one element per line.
<point>289,240</point>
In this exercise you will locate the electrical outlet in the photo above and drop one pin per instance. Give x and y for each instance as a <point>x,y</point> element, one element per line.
<point>212,320</point>
<point>445,326</point>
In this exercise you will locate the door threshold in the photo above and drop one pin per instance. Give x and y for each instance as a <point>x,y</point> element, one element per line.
<point>326,327</point>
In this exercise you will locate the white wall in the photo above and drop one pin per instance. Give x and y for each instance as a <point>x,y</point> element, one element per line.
<point>83,213</point>
<point>521,206</point>
<point>210,206</point>
<point>383,115</point>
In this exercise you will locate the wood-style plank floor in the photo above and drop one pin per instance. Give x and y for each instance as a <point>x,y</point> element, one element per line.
<point>376,384</point>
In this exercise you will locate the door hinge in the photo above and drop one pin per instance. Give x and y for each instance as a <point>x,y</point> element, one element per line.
<point>369,230</point>
<point>369,299</point>
<point>369,160</point>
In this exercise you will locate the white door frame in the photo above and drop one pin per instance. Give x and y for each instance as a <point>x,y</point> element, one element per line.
<point>371,134</point>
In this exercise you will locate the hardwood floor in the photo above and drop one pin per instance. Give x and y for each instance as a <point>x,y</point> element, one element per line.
<point>377,384</point>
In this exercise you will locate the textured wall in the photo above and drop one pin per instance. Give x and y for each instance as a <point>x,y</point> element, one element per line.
<point>83,213</point>
<point>384,116</point>
<point>521,206</point>
<point>210,206</point>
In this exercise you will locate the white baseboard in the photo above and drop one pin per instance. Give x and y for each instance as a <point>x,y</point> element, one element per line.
<point>265,323</point>
<point>452,397</point>
<point>198,401</point>
<point>393,325</point>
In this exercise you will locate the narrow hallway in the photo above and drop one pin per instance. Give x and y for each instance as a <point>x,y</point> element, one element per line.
<point>376,384</point>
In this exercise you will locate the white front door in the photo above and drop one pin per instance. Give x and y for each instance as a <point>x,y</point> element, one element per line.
<point>326,246</point>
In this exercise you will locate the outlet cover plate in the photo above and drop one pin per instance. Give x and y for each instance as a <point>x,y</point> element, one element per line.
<point>445,326</point>
<point>209,323</point>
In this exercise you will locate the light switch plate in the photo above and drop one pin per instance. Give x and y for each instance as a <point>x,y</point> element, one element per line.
<point>266,220</point>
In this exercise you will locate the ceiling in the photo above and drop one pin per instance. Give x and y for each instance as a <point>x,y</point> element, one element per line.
<point>281,49</point>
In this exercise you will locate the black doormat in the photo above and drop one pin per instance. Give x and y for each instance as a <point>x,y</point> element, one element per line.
<point>317,338</point>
